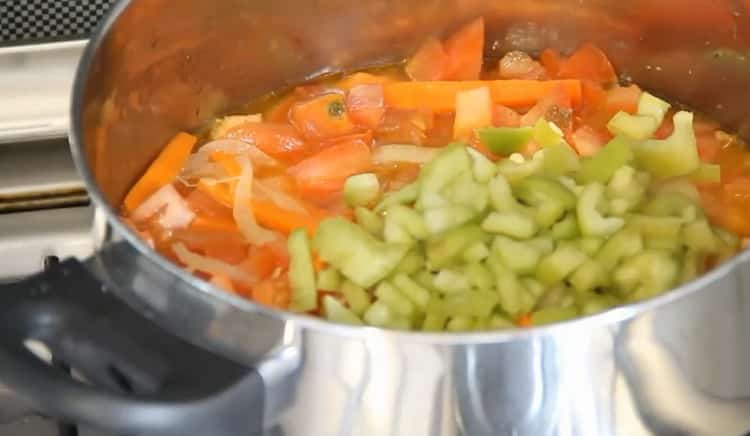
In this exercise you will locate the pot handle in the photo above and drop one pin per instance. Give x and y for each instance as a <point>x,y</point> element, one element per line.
<point>139,378</point>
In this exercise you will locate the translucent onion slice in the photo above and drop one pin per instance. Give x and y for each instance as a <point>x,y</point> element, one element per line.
<point>403,153</point>
<point>175,213</point>
<point>278,198</point>
<point>233,146</point>
<point>211,266</point>
<point>242,210</point>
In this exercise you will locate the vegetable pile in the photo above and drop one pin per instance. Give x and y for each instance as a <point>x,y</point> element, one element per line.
<point>449,195</point>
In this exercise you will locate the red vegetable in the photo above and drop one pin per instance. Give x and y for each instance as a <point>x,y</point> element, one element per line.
<point>365,105</point>
<point>429,63</point>
<point>465,52</point>
<point>326,171</point>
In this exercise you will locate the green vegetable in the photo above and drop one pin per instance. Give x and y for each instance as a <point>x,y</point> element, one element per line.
<point>513,224</point>
<point>379,315</point>
<point>460,324</point>
<point>503,141</point>
<point>355,253</point>
<point>549,197</point>
<point>479,276</point>
<point>449,164</point>
<point>590,245</point>
<point>395,301</point>
<point>403,225</point>
<point>552,315</point>
<point>589,276</point>
<point>444,249</point>
<point>441,219</point>
<point>707,173</point>
<point>407,194</point>
<point>357,298</point>
<point>449,281</point>
<point>623,244</point>
<point>542,244</point>
<point>590,221</point>
<point>698,236</point>
<point>638,127</point>
<point>560,159</point>
<point>598,303</point>
<point>603,165</point>
<point>329,280</point>
<point>516,171</point>
<point>648,105</point>
<point>336,312</point>
<point>518,256</point>
<point>567,228</point>
<point>484,169</point>
<point>361,189</point>
<point>369,221</point>
<point>435,316</point>
<point>301,273</point>
<point>476,252</point>
<point>501,195</point>
<point>411,263</point>
<point>473,303</point>
<point>513,296</point>
<point>413,291</point>
<point>468,193</point>
<point>671,157</point>
<point>647,274</point>
<point>555,267</point>
<point>546,133</point>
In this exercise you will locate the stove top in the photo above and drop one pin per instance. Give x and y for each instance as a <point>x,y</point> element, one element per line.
<point>44,210</point>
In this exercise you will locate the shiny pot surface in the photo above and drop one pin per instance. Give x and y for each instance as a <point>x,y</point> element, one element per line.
<point>672,365</point>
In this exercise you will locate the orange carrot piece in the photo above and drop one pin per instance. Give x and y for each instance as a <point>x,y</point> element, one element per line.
<point>327,170</point>
<point>213,224</point>
<point>273,217</point>
<point>273,292</point>
<point>162,170</point>
<point>441,96</point>
<point>357,79</point>
<point>524,320</point>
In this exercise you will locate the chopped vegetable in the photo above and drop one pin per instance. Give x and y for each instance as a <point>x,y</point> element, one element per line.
<point>674,156</point>
<point>473,111</point>
<point>361,189</point>
<point>441,96</point>
<point>301,273</point>
<point>161,171</point>
<point>504,141</point>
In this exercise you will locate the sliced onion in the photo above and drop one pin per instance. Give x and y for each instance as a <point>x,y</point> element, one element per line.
<point>212,266</point>
<point>175,213</point>
<point>278,198</point>
<point>233,146</point>
<point>243,212</point>
<point>403,153</point>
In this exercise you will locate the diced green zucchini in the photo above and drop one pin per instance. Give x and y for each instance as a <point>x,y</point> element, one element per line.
<point>329,280</point>
<point>623,244</point>
<point>589,276</point>
<point>472,303</point>
<point>336,312</point>
<point>514,224</point>
<point>441,219</point>
<point>406,195</point>
<point>567,228</point>
<point>555,267</point>
<point>518,256</point>
<point>356,298</point>
<point>484,169</point>
<point>444,249</point>
<point>394,299</point>
<point>417,294</point>
<point>301,273</point>
<point>370,221</point>
<point>671,157</point>
<point>476,253</point>
<point>552,315</point>
<point>602,166</point>
<point>590,221</point>
<point>479,276</point>
<point>355,253</point>
<point>361,189</point>
<point>450,281</point>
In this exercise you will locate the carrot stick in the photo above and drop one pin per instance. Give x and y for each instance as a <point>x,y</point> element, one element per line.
<point>524,320</point>
<point>441,96</point>
<point>273,217</point>
<point>162,170</point>
<point>214,224</point>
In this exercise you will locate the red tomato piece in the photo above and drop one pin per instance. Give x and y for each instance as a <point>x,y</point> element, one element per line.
<point>429,63</point>
<point>327,170</point>
<point>551,60</point>
<point>365,105</point>
<point>555,107</point>
<point>405,126</point>
<point>280,141</point>
<point>588,141</point>
<point>588,63</point>
<point>503,116</point>
<point>322,117</point>
<point>465,51</point>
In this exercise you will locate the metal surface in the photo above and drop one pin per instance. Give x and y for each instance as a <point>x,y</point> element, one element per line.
<point>35,85</point>
<point>671,365</point>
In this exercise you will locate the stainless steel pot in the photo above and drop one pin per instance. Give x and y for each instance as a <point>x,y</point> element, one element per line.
<point>672,365</point>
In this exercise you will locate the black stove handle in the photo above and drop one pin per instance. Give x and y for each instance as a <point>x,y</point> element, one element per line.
<point>139,378</point>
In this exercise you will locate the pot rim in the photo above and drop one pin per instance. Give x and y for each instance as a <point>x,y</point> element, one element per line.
<point>612,316</point>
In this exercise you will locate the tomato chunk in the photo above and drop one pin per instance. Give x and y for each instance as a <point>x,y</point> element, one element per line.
<point>465,52</point>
